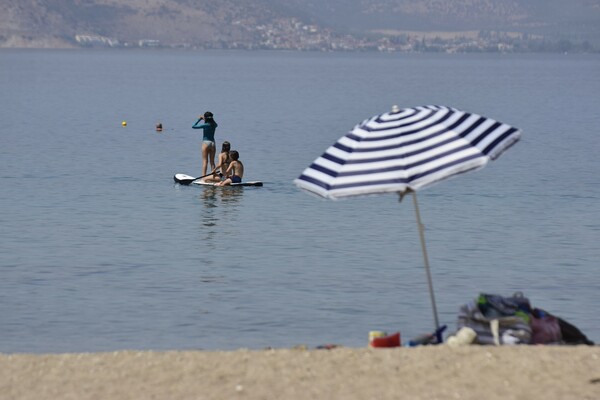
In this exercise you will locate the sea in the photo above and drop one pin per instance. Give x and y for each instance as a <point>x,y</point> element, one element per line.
<point>100,250</point>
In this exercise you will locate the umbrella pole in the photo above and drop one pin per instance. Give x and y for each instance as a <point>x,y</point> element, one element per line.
<point>429,281</point>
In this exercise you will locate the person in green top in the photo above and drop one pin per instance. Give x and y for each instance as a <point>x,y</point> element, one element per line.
<point>208,139</point>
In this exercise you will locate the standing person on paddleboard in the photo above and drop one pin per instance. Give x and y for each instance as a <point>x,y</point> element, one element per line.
<point>235,172</point>
<point>223,164</point>
<point>208,139</point>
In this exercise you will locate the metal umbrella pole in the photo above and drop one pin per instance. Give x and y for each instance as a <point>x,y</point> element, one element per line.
<point>426,260</point>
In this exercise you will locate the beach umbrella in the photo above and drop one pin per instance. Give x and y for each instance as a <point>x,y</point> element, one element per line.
<point>403,151</point>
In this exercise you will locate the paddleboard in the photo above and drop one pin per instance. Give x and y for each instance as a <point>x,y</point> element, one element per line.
<point>180,177</point>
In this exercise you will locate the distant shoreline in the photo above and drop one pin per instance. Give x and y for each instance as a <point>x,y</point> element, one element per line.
<point>390,42</point>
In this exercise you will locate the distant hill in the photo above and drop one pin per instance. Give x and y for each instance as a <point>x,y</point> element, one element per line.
<point>533,16</point>
<point>229,23</point>
<point>171,21</point>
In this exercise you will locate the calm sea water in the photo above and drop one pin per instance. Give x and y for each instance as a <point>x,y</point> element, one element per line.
<point>100,250</point>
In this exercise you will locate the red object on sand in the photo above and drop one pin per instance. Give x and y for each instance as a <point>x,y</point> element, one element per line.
<point>387,341</point>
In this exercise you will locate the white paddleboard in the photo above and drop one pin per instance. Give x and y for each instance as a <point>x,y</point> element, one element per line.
<point>179,177</point>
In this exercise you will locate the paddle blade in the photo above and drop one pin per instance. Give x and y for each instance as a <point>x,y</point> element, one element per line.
<point>183,179</point>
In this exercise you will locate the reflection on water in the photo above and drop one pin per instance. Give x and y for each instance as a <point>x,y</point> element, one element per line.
<point>209,199</point>
<point>218,201</point>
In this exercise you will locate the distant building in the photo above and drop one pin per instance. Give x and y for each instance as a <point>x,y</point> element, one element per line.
<point>149,43</point>
<point>96,40</point>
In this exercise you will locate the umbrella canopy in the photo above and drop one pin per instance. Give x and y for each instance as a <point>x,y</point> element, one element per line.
<point>405,150</point>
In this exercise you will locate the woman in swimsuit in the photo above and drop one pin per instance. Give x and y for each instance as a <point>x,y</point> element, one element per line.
<point>224,161</point>
<point>208,140</point>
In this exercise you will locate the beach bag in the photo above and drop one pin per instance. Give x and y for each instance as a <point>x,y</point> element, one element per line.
<point>497,319</point>
<point>545,328</point>
<point>571,334</point>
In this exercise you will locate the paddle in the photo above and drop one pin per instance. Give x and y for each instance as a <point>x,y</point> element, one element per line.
<point>188,181</point>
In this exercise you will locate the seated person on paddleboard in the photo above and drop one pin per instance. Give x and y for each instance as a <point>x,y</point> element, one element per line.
<point>235,172</point>
<point>208,140</point>
<point>224,161</point>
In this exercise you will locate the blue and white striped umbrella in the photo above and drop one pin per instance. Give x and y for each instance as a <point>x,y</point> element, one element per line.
<point>405,150</point>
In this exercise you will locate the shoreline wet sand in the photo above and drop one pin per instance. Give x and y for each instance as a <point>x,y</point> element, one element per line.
<point>427,372</point>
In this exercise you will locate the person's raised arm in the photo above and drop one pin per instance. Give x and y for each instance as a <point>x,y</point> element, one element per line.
<point>196,126</point>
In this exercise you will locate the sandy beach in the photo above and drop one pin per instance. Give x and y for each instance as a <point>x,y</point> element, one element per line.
<point>429,372</point>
